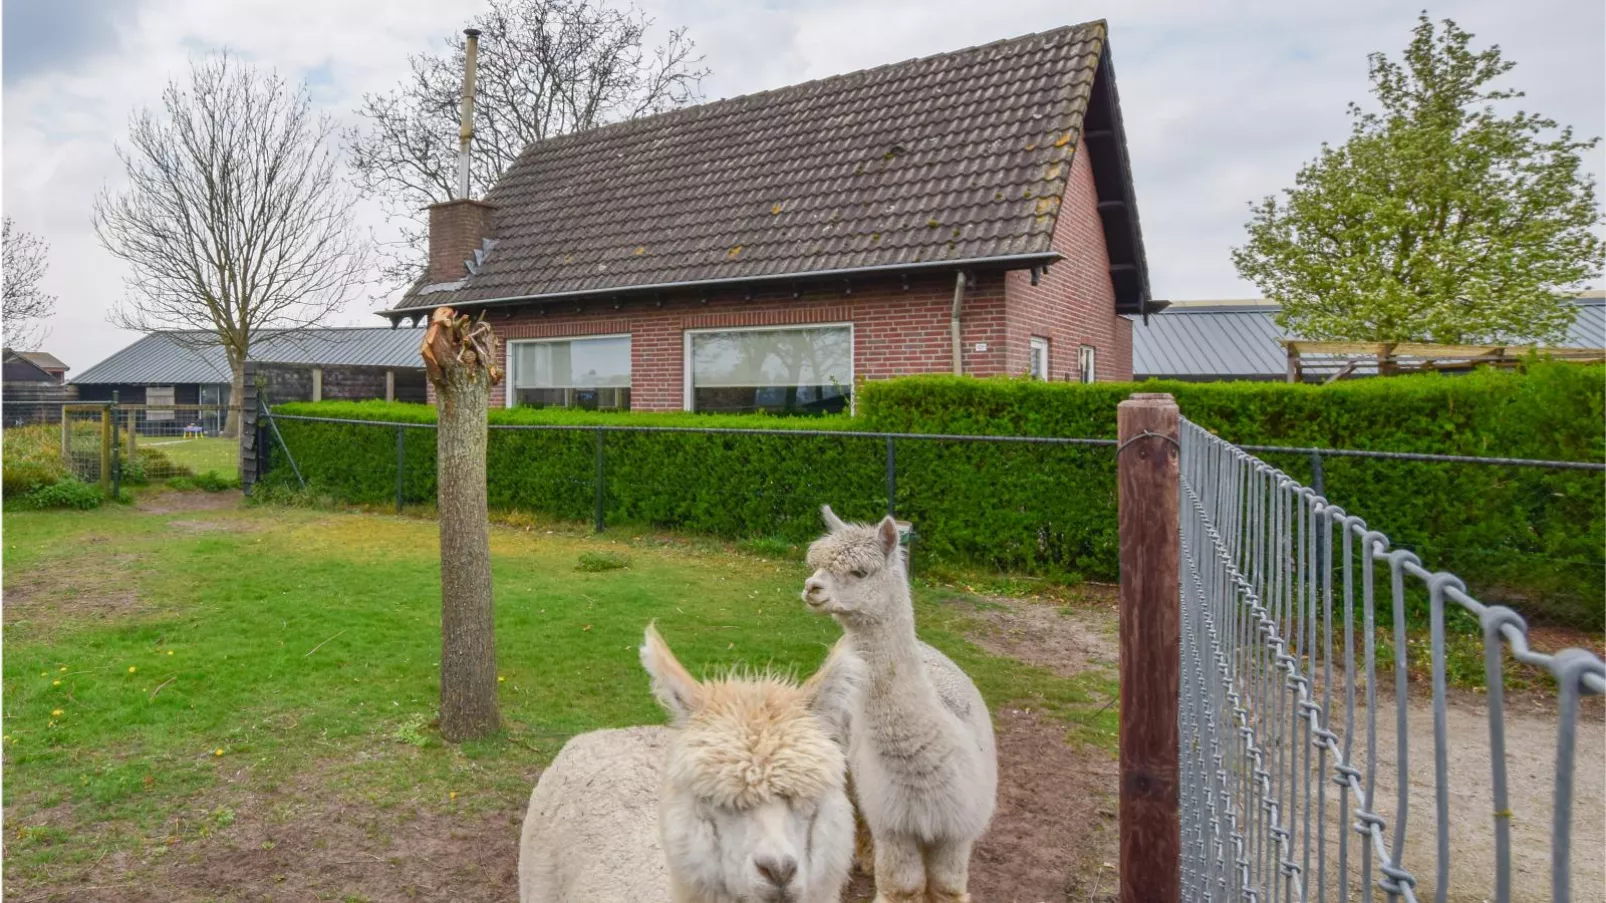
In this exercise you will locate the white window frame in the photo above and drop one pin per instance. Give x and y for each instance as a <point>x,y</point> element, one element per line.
<point>685,354</point>
<point>510,399</point>
<point>1040,342</point>
<point>1085,373</point>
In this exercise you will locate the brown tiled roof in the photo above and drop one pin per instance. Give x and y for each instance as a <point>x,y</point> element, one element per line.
<point>962,156</point>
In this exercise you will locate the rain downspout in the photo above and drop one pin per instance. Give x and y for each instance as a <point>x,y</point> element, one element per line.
<point>953,322</point>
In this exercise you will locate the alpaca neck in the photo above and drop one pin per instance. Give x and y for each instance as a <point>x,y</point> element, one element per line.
<point>891,651</point>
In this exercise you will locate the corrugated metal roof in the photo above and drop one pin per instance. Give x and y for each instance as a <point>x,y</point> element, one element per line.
<point>164,358</point>
<point>1240,340</point>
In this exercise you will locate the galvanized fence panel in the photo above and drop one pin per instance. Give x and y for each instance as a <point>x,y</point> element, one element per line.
<point>1286,697</point>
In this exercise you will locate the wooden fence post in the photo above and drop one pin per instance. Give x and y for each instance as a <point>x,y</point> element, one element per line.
<point>107,428</point>
<point>1147,475</point>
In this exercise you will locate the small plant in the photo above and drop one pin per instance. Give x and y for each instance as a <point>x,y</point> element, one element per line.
<point>601,561</point>
<point>412,731</point>
<point>67,493</point>
<point>770,547</point>
<point>210,481</point>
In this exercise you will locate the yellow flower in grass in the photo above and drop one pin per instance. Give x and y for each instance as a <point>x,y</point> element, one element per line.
<point>55,683</point>
<point>500,679</point>
<point>56,713</point>
<point>132,669</point>
<point>218,751</point>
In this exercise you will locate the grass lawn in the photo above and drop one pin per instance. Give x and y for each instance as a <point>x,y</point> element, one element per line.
<point>200,455</point>
<point>166,668</point>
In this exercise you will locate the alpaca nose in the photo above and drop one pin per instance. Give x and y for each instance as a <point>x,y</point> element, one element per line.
<point>812,587</point>
<point>777,870</point>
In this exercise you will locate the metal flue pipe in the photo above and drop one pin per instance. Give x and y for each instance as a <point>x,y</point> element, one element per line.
<point>465,134</point>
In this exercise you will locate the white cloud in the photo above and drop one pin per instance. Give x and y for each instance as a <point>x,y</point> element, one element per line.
<point>1222,102</point>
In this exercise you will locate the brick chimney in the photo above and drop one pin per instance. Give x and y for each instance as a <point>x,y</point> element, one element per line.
<point>457,229</point>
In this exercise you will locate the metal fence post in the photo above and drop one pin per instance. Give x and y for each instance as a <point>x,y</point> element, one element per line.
<point>401,464</point>
<point>601,488</point>
<point>1148,478</point>
<point>892,479</point>
<point>66,435</point>
<point>1318,479</point>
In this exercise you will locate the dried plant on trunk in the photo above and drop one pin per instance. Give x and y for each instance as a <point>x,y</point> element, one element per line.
<point>26,305</point>
<point>546,68</point>
<point>235,223</point>
<point>460,357</point>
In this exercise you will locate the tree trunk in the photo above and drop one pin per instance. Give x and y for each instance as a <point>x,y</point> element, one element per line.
<point>468,644</point>
<point>231,422</point>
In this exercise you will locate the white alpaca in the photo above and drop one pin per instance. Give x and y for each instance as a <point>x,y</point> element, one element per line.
<point>921,753</point>
<point>741,799</point>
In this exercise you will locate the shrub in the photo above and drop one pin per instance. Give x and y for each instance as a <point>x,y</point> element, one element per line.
<point>32,459</point>
<point>23,477</point>
<point>601,561</point>
<point>208,481</point>
<point>1527,535</point>
<point>64,493</point>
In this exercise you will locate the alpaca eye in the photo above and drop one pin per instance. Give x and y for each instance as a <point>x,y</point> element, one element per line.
<point>857,573</point>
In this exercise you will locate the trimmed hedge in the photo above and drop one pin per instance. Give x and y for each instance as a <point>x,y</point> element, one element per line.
<point>1529,536</point>
<point>1525,535</point>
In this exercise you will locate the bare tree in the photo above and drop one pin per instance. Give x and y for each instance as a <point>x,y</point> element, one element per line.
<point>235,223</point>
<point>546,68</point>
<point>26,304</point>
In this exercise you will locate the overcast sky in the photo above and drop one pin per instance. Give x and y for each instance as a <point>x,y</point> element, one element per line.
<point>1222,101</point>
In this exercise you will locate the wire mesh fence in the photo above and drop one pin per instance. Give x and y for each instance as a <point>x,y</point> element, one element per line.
<point>112,443</point>
<point>1289,788</point>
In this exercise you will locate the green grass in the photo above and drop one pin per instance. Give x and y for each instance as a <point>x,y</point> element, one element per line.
<point>286,645</point>
<point>200,455</point>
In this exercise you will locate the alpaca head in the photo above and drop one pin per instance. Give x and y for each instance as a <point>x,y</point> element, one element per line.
<point>754,805</point>
<point>858,571</point>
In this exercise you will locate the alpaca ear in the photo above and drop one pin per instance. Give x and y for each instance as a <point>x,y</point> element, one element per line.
<point>887,533</point>
<point>833,691</point>
<point>677,691</point>
<point>832,522</point>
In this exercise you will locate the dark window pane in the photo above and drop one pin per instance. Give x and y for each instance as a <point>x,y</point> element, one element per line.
<point>829,399</point>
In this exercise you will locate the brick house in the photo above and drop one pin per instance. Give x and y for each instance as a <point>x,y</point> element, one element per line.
<point>970,212</point>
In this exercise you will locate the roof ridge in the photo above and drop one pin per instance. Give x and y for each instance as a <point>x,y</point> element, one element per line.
<point>557,141</point>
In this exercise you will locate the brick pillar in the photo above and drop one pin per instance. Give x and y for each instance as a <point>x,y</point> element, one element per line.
<point>456,229</point>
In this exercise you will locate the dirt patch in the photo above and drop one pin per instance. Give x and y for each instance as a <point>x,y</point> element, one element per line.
<point>90,588</point>
<point>214,526</point>
<point>1064,640</point>
<point>180,502</point>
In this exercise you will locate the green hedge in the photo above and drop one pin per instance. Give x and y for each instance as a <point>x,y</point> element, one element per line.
<point>1530,536</point>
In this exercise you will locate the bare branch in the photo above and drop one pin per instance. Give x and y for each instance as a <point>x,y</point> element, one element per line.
<point>546,68</point>
<point>26,305</point>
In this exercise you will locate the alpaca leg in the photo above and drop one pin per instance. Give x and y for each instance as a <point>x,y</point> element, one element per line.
<point>948,871</point>
<point>900,875</point>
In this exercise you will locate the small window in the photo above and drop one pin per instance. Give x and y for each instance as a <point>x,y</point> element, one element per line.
<point>592,373</point>
<point>1039,369</point>
<point>1087,363</point>
<point>799,371</point>
<point>158,402</point>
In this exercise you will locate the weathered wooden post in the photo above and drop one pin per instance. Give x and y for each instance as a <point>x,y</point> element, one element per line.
<point>106,430</point>
<point>1147,475</point>
<point>461,360</point>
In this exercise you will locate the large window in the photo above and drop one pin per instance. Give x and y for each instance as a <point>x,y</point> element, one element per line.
<point>806,370</point>
<point>590,373</point>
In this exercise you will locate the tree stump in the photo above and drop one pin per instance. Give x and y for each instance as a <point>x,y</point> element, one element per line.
<point>460,358</point>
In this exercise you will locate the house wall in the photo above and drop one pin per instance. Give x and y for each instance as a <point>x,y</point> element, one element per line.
<point>896,332</point>
<point>1073,304</point>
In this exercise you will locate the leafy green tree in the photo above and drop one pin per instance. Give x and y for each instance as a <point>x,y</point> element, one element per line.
<point>1440,219</point>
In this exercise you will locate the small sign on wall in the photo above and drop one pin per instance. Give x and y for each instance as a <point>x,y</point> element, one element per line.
<point>981,346</point>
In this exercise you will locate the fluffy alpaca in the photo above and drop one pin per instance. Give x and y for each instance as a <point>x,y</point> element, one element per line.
<point>742,798</point>
<point>921,752</point>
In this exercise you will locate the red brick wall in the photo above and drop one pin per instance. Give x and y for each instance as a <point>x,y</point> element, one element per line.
<point>896,332</point>
<point>1074,303</point>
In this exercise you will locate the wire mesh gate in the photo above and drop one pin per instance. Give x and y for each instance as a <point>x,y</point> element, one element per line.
<point>1280,699</point>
